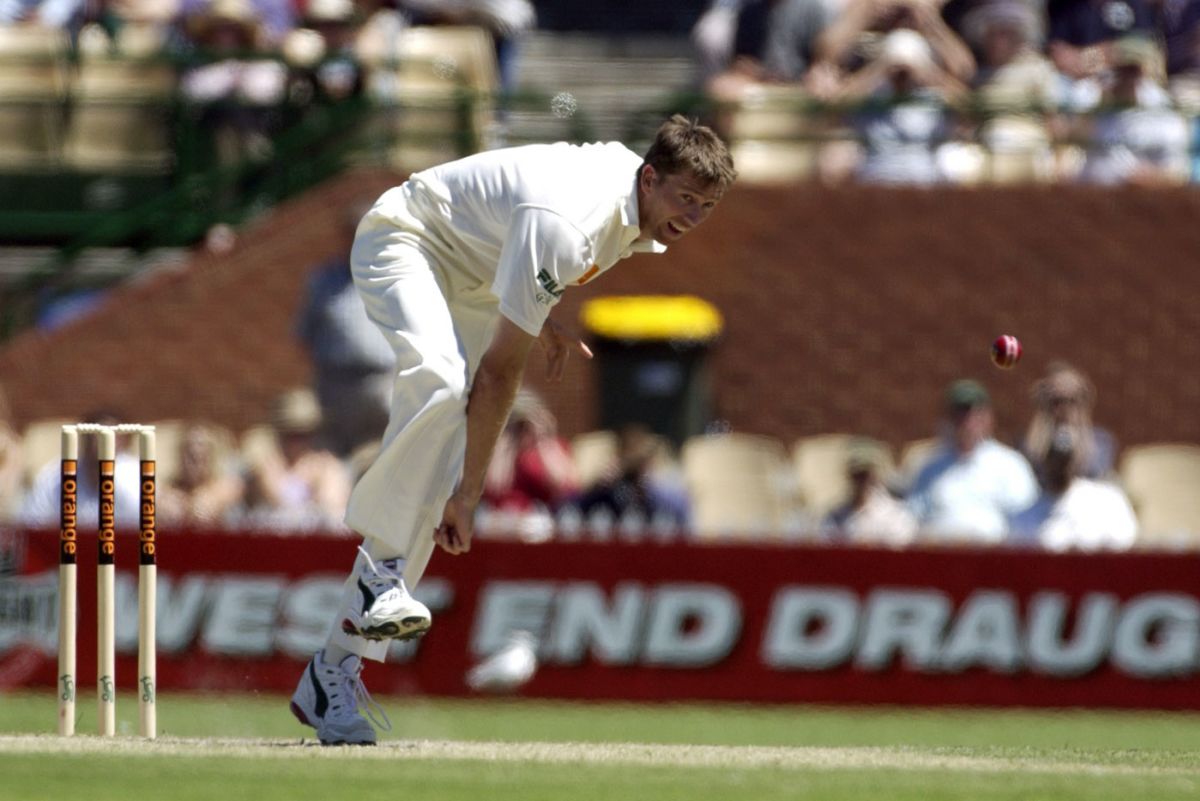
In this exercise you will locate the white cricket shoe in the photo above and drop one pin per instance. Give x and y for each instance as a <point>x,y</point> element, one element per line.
<point>329,698</point>
<point>387,612</point>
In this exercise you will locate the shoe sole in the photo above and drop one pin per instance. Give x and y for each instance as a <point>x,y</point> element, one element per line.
<point>410,628</point>
<point>303,718</point>
<point>300,716</point>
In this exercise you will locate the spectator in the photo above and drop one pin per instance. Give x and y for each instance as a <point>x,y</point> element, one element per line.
<point>353,364</point>
<point>772,42</point>
<point>42,503</point>
<point>322,55</point>
<point>12,464</point>
<point>531,468</point>
<point>639,494</point>
<point>1132,133</point>
<point>1082,32</point>
<point>155,15</point>
<point>871,515</point>
<point>508,21</point>
<point>62,14</point>
<point>1063,399</point>
<point>713,35</point>
<point>856,37</point>
<point>378,36</point>
<point>1178,23</point>
<point>1016,88</point>
<point>135,28</point>
<point>236,92</point>
<point>1074,512</point>
<point>296,484</point>
<point>955,13</point>
<point>904,114</point>
<point>202,492</point>
<point>972,483</point>
<point>274,18</point>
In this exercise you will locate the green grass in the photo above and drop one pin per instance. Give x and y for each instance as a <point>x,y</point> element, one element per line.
<point>698,724</point>
<point>125,778</point>
<point>927,754</point>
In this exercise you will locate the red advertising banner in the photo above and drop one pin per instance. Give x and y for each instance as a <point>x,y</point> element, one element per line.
<point>655,621</point>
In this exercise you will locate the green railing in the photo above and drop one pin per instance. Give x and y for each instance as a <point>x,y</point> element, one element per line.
<point>75,209</point>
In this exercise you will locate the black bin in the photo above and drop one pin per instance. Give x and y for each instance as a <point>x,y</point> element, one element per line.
<point>652,357</point>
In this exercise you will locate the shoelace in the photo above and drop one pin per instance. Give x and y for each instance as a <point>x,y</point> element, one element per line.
<point>364,701</point>
<point>383,571</point>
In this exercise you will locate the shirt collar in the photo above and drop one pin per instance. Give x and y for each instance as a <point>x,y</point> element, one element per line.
<point>630,228</point>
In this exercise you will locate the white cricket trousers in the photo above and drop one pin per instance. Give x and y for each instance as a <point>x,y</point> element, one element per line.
<point>439,319</point>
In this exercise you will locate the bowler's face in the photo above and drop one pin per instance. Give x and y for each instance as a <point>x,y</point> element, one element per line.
<point>670,206</point>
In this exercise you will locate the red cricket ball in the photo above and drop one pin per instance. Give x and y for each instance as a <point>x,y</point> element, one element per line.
<point>1006,351</point>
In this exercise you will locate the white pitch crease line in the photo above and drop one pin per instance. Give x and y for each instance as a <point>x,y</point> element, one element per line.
<point>660,755</point>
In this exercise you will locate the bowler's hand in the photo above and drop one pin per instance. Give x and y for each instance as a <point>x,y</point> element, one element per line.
<point>558,343</point>
<point>454,532</point>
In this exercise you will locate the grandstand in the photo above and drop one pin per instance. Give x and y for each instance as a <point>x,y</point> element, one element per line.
<point>849,306</point>
<point>157,248</point>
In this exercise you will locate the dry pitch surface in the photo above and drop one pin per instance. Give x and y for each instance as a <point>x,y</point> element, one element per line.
<point>801,758</point>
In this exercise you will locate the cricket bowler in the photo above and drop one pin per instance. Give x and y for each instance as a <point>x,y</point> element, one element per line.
<point>459,267</point>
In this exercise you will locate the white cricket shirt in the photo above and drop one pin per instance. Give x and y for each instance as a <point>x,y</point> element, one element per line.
<point>530,221</point>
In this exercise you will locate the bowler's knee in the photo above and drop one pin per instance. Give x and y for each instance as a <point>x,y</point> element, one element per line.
<point>454,375</point>
<point>446,375</point>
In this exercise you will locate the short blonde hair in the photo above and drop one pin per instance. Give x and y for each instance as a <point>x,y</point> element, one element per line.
<point>684,145</point>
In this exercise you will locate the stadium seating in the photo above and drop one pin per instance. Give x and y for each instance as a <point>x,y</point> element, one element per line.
<point>1018,151</point>
<point>594,454</point>
<point>431,86</point>
<point>257,443</point>
<point>121,110</point>
<point>41,444</point>
<point>1163,483</point>
<point>820,463</point>
<point>168,434</point>
<point>913,456</point>
<point>33,92</point>
<point>740,485</point>
<point>769,140</point>
<point>773,162</point>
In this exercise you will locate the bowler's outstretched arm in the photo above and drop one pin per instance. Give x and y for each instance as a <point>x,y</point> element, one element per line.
<point>491,398</point>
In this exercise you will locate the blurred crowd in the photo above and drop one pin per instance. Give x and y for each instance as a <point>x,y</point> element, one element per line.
<point>247,71</point>
<point>1056,488</point>
<point>1018,80</point>
<point>911,82</point>
<point>243,33</point>
<point>278,476</point>
<point>892,91</point>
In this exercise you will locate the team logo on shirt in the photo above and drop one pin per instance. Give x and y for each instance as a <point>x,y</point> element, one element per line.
<point>553,290</point>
